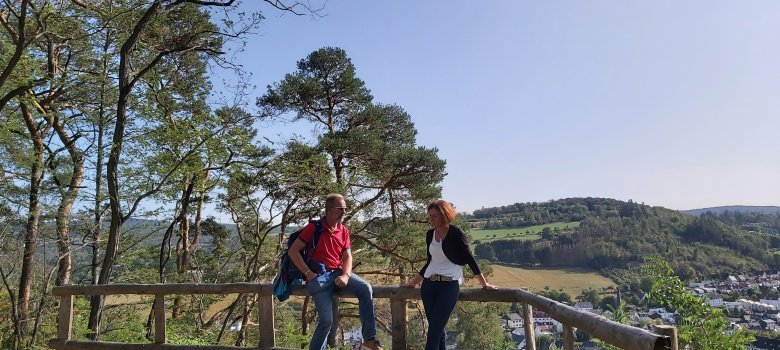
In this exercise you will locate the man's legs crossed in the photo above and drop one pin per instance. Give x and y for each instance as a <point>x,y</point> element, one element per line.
<point>364,293</point>
<point>323,301</point>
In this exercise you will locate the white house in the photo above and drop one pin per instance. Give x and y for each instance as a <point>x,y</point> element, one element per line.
<point>583,306</point>
<point>514,320</point>
<point>734,305</point>
<point>715,300</point>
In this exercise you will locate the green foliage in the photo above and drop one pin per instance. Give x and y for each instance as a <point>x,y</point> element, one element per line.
<point>557,295</point>
<point>701,327</point>
<point>590,295</point>
<point>290,335</point>
<point>186,330</point>
<point>478,326</point>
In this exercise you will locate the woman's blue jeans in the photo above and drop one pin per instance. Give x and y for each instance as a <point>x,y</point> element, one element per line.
<point>439,300</point>
<point>323,301</point>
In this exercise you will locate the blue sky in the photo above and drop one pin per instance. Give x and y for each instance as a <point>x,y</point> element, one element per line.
<point>668,103</point>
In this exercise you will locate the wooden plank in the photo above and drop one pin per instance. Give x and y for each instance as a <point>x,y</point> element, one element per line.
<point>669,331</point>
<point>568,337</point>
<point>265,310</point>
<point>168,289</point>
<point>528,326</point>
<point>95,345</point>
<point>65,322</point>
<point>159,318</point>
<point>398,323</point>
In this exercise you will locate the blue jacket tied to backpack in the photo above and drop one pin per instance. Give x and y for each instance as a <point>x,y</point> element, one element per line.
<point>289,275</point>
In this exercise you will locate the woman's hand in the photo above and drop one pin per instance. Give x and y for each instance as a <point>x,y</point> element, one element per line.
<point>488,286</point>
<point>409,284</point>
<point>413,282</point>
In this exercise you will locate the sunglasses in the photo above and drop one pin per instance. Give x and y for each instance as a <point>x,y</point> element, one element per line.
<point>339,208</point>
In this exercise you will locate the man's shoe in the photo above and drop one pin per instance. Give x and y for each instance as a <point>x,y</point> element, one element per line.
<point>371,344</point>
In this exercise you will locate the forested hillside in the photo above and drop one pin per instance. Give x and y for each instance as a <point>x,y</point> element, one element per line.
<point>613,234</point>
<point>761,221</point>
<point>742,209</point>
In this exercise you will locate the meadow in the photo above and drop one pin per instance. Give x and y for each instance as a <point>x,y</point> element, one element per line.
<point>572,281</point>
<point>520,233</point>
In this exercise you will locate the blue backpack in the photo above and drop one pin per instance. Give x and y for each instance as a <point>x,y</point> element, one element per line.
<point>289,275</point>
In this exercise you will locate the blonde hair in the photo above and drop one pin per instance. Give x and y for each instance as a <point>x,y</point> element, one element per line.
<point>445,208</point>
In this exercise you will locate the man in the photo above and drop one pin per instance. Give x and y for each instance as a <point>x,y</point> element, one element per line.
<point>333,253</point>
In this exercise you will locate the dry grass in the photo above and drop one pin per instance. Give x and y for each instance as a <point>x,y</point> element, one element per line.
<point>572,281</point>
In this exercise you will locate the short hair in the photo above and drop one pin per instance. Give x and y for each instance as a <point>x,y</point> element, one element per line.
<point>445,208</point>
<point>330,199</point>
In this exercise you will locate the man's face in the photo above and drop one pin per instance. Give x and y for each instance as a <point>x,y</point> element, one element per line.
<point>337,212</point>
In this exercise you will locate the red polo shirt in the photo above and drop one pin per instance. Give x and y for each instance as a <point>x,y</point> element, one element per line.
<point>330,246</point>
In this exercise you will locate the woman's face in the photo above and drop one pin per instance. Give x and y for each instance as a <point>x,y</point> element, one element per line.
<point>435,218</point>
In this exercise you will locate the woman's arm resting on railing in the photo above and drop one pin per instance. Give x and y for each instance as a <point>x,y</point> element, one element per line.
<point>485,284</point>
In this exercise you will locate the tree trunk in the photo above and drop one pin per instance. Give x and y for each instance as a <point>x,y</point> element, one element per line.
<point>182,256</point>
<point>126,83</point>
<point>97,211</point>
<point>65,209</point>
<point>112,169</point>
<point>31,229</point>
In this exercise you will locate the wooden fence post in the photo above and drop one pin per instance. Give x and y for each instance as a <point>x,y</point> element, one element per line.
<point>669,331</point>
<point>528,325</point>
<point>568,337</point>
<point>398,322</point>
<point>266,313</point>
<point>159,318</point>
<point>65,323</point>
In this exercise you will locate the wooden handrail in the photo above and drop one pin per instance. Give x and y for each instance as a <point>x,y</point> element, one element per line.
<point>620,335</point>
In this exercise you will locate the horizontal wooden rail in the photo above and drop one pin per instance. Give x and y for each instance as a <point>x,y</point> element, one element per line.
<point>623,336</point>
<point>167,289</point>
<point>104,345</point>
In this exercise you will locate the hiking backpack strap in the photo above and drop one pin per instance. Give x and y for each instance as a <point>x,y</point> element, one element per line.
<point>318,229</point>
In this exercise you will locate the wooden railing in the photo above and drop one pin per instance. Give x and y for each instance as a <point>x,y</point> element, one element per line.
<point>623,336</point>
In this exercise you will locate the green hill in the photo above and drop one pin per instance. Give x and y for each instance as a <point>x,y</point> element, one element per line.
<point>613,235</point>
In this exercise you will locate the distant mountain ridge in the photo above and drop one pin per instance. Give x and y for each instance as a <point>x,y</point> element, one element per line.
<point>734,208</point>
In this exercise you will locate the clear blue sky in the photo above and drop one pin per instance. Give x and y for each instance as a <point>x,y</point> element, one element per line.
<point>668,103</point>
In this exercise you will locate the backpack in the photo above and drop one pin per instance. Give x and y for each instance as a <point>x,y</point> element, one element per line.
<point>289,275</point>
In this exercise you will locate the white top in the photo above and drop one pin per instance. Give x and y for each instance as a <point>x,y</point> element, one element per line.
<point>440,265</point>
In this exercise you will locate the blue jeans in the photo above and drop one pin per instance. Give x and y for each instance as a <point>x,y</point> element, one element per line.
<point>439,300</point>
<point>323,301</point>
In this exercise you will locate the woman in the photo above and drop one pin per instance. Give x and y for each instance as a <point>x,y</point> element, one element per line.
<point>442,275</point>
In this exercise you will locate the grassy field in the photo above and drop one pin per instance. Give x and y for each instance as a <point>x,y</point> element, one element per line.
<point>572,281</point>
<point>522,233</point>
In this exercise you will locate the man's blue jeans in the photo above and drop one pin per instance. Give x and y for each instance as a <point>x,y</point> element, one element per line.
<point>323,301</point>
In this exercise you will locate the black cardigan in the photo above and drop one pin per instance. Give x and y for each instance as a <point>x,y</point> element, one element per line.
<point>455,247</point>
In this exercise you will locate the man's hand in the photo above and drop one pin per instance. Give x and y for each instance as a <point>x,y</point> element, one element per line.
<point>342,281</point>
